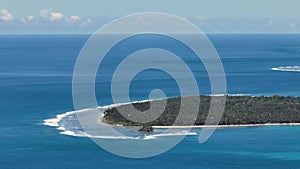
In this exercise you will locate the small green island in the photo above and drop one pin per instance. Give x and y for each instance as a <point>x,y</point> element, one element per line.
<point>239,110</point>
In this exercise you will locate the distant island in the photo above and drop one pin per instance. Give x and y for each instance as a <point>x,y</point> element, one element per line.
<point>239,110</point>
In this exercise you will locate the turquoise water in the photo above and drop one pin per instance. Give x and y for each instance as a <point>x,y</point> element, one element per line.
<point>35,84</point>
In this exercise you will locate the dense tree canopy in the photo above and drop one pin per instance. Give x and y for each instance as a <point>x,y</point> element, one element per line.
<point>238,110</point>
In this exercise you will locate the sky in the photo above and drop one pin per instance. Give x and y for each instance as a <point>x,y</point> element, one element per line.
<point>211,16</point>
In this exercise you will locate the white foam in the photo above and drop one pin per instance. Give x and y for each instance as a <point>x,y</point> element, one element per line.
<point>83,134</point>
<point>55,122</point>
<point>239,95</point>
<point>51,122</point>
<point>217,95</point>
<point>184,133</point>
<point>61,128</point>
<point>287,68</point>
<point>71,133</point>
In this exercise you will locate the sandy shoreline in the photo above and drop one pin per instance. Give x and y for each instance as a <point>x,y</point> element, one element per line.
<point>208,126</point>
<point>227,126</point>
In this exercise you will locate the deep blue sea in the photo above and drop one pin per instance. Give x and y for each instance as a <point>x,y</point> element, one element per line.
<point>36,84</point>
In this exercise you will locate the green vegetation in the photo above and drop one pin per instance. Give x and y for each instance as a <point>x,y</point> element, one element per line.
<point>238,110</point>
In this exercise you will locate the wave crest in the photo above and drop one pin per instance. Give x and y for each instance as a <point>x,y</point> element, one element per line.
<point>68,124</point>
<point>287,68</point>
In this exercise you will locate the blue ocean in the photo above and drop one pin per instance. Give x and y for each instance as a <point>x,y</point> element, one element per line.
<point>36,85</point>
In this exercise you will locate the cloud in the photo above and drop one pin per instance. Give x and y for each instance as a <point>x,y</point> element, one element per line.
<point>88,21</point>
<point>30,18</point>
<point>73,19</point>
<point>44,13</point>
<point>5,15</point>
<point>270,23</point>
<point>85,22</point>
<point>264,15</point>
<point>292,25</point>
<point>23,20</point>
<point>48,14</point>
<point>45,17</point>
<point>200,18</point>
<point>27,19</point>
<point>56,16</point>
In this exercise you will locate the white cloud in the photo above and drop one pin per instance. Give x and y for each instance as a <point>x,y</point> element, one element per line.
<point>30,18</point>
<point>44,13</point>
<point>264,15</point>
<point>88,21</point>
<point>27,19</point>
<point>292,25</point>
<point>270,23</point>
<point>46,17</point>
<point>200,18</point>
<point>73,19</point>
<point>49,14</point>
<point>5,15</point>
<point>85,22</point>
<point>23,20</point>
<point>56,16</point>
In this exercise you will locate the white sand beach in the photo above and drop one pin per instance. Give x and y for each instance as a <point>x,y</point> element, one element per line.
<point>228,126</point>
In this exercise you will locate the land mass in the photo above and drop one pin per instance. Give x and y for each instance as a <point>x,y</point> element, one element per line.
<point>239,110</point>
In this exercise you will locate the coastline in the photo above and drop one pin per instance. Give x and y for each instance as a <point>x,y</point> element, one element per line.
<point>55,121</point>
<point>274,111</point>
<point>226,126</point>
<point>206,126</point>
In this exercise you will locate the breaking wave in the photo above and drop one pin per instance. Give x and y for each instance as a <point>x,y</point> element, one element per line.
<point>287,68</point>
<point>68,124</point>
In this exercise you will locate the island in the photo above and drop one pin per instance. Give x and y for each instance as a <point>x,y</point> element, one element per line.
<point>239,110</point>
